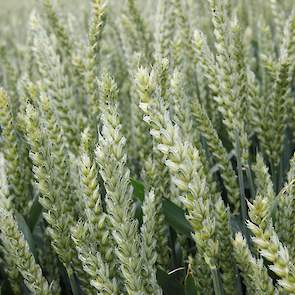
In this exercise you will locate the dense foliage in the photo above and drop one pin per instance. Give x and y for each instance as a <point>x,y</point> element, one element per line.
<point>147,148</point>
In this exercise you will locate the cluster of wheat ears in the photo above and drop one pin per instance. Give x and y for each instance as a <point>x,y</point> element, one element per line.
<point>147,148</point>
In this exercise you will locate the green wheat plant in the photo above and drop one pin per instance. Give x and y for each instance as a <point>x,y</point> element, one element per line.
<point>147,147</point>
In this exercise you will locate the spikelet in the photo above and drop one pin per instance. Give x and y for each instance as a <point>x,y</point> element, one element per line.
<point>9,266</point>
<point>93,263</point>
<point>207,63</point>
<point>266,240</point>
<point>92,62</point>
<point>185,167</point>
<point>285,220</point>
<point>152,169</point>
<point>49,200</point>
<point>12,153</point>
<point>164,30</point>
<point>141,29</point>
<point>96,226</point>
<point>226,99</point>
<point>160,120</point>
<point>277,111</point>
<point>181,105</point>
<point>9,78</point>
<point>219,153</point>
<point>58,27</point>
<point>263,181</point>
<point>223,233</point>
<point>254,273</point>
<point>55,79</point>
<point>148,232</point>
<point>202,274</point>
<point>18,249</point>
<point>111,160</point>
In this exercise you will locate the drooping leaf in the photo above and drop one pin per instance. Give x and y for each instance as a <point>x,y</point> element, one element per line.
<point>169,285</point>
<point>35,213</point>
<point>190,286</point>
<point>74,285</point>
<point>175,216</point>
<point>138,189</point>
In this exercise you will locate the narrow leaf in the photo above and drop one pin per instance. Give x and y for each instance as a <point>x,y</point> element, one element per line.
<point>34,214</point>
<point>175,216</point>
<point>168,284</point>
<point>190,286</point>
<point>24,228</point>
<point>138,189</point>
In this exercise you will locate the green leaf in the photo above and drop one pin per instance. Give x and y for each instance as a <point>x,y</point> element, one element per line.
<point>169,285</point>
<point>175,216</point>
<point>34,214</point>
<point>190,286</point>
<point>73,283</point>
<point>24,228</point>
<point>4,285</point>
<point>138,189</point>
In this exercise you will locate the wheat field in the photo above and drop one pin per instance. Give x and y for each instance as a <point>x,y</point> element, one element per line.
<point>147,147</point>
